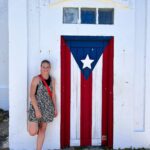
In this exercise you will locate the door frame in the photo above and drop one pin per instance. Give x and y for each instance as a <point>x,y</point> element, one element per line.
<point>107,92</point>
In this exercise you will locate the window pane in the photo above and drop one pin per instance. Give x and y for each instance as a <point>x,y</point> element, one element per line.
<point>88,15</point>
<point>70,15</point>
<point>106,16</point>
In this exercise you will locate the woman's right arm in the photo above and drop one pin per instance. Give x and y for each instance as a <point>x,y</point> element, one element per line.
<point>33,87</point>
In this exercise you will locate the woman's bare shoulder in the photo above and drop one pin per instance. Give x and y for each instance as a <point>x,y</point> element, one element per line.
<point>35,79</point>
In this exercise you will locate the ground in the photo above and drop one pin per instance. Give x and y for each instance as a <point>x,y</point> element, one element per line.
<point>4,122</point>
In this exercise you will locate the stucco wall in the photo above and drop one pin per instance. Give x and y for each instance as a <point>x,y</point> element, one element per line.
<point>40,25</point>
<point>4,103</point>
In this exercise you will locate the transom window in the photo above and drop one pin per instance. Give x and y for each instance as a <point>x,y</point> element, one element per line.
<point>103,16</point>
<point>70,15</point>
<point>88,16</point>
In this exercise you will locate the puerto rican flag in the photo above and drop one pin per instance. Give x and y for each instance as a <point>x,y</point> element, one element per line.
<point>86,90</point>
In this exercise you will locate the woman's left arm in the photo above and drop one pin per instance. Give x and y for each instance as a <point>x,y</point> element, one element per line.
<point>54,96</point>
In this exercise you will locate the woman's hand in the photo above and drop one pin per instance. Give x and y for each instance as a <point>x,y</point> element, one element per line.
<point>55,113</point>
<point>38,114</point>
<point>54,97</point>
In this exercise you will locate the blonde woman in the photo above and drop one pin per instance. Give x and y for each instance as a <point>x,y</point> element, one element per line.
<point>42,108</point>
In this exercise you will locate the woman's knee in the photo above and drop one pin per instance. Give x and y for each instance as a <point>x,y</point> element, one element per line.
<point>32,132</point>
<point>32,129</point>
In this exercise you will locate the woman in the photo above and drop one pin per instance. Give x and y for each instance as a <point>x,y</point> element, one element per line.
<point>42,105</point>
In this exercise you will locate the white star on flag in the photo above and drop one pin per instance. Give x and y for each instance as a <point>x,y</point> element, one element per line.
<point>87,62</point>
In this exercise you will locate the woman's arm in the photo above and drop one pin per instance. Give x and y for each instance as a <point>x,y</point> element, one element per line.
<point>34,84</point>
<point>54,96</point>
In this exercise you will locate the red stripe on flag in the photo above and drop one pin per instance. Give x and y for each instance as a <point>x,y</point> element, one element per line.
<point>107,95</point>
<point>86,111</point>
<point>110,107</point>
<point>65,94</point>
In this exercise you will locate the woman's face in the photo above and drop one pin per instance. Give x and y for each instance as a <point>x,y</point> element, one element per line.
<point>45,68</point>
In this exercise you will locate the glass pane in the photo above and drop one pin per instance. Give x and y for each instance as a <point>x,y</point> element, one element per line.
<point>88,15</point>
<point>70,15</point>
<point>105,16</point>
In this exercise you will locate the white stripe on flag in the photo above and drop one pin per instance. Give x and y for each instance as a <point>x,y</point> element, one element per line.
<point>97,103</point>
<point>75,104</point>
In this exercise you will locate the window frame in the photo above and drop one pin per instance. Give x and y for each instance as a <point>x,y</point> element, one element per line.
<point>79,15</point>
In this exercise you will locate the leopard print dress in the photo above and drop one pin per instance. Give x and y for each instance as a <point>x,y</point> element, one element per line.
<point>45,105</point>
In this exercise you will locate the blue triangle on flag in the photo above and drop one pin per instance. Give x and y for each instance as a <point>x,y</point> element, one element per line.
<point>86,50</point>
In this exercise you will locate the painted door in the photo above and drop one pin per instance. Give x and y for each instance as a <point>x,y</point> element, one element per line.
<point>86,91</point>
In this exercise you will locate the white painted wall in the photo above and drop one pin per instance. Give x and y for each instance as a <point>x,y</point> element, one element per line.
<point>18,136</point>
<point>4,103</point>
<point>40,25</point>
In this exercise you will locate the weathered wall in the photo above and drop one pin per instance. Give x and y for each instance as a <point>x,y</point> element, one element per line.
<point>4,103</point>
<point>40,25</point>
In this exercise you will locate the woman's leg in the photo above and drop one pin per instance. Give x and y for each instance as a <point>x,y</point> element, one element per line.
<point>41,135</point>
<point>32,128</point>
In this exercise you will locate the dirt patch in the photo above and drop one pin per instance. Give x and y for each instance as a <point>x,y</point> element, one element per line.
<point>4,122</point>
